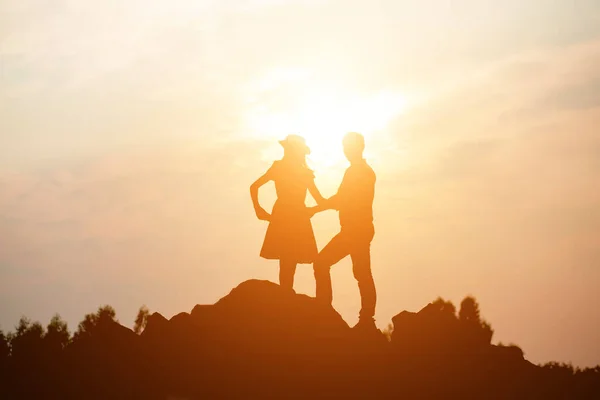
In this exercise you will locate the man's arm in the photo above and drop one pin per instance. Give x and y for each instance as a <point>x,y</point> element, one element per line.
<point>331,203</point>
<point>326,204</point>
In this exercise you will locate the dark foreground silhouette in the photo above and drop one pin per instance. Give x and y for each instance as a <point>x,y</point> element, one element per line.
<point>262,341</point>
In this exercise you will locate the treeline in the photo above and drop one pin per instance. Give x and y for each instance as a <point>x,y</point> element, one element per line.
<point>261,342</point>
<point>30,343</point>
<point>37,361</point>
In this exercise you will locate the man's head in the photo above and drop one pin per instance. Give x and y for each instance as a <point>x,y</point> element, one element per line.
<point>354,145</point>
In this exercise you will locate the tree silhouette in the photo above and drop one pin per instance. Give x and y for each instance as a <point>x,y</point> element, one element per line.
<point>57,335</point>
<point>4,347</point>
<point>469,316</point>
<point>141,320</point>
<point>469,310</point>
<point>4,354</point>
<point>27,342</point>
<point>444,306</point>
<point>27,359</point>
<point>93,322</point>
<point>196,356</point>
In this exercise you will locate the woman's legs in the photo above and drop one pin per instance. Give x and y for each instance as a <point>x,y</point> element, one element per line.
<point>287,270</point>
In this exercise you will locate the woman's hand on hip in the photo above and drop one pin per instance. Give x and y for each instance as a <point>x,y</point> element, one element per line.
<point>262,214</point>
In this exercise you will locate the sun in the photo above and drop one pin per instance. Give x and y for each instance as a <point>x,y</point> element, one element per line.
<point>289,101</point>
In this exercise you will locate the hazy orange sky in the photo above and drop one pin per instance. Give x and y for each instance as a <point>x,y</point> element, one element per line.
<point>130,132</point>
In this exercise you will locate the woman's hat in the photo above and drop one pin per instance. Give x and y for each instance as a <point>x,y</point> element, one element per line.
<point>295,142</point>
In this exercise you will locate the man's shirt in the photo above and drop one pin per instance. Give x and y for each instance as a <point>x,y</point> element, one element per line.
<point>354,199</point>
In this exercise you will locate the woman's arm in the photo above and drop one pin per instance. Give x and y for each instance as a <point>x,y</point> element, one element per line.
<point>331,203</point>
<point>260,212</point>
<point>326,204</point>
<point>314,192</point>
<point>322,203</point>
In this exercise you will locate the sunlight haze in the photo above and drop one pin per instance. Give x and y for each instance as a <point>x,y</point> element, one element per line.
<point>130,132</point>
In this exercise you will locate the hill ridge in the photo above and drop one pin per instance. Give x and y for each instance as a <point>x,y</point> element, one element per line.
<point>261,341</point>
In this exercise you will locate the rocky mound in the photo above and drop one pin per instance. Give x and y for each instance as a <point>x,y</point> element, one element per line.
<point>261,341</point>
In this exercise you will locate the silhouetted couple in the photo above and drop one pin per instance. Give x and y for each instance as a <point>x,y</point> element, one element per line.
<point>290,237</point>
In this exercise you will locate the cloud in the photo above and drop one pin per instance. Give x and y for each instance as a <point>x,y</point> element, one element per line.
<point>124,177</point>
<point>497,196</point>
<point>125,225</point>
<point>575,97</point>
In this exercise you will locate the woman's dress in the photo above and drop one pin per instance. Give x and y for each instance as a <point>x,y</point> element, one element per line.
<point>290,235</point>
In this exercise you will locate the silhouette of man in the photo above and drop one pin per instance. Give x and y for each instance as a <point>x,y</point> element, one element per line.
<point>354,201</point>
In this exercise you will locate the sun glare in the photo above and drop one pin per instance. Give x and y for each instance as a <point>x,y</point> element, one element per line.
<point>289,101</point>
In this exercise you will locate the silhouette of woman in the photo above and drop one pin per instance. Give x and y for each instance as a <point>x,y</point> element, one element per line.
<point>290,237</point>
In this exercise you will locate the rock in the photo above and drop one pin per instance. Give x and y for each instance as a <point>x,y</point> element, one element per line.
<point>261,341</point>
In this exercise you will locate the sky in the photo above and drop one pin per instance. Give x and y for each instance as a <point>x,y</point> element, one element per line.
<point>130,132</point>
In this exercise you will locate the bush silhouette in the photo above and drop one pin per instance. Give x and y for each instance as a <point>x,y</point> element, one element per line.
<point>57,335</point>
<point>4,354</point>
<point>141,320</point>
<point>479,331</point>
<point>445,307</point>
<point>93,323</point>
<point>4,347</point>
<point>264,342</point>
<point>27,342</point>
